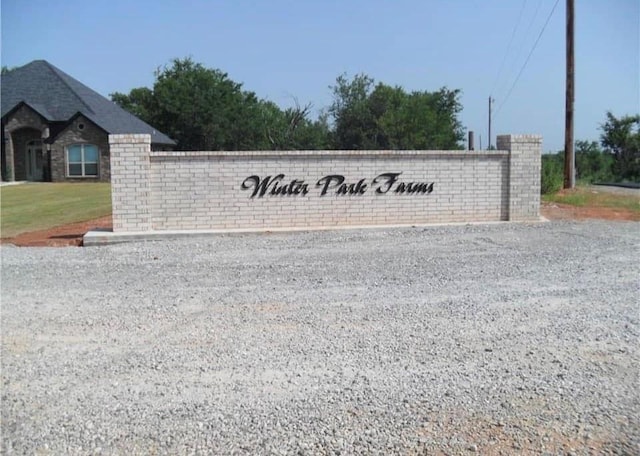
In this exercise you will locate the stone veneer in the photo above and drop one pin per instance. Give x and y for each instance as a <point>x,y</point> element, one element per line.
<point>22,126</point>
<point>90,134</point>
<point>158,191</point>
<point>25,125</point>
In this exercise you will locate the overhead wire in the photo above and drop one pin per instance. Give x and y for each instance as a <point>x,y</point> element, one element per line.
<point>528,57</point>
<point>504,59</point>
<point>521,48</point>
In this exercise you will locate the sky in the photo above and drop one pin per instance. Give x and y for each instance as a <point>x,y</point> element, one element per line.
<point>293,50</point>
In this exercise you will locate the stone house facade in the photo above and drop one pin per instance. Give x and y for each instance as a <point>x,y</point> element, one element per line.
<point>56,129</point>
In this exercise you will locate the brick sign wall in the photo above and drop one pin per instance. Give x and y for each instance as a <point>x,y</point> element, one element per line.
<point>159,191</point>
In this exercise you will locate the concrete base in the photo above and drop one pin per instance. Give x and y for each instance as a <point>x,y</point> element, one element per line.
<point>96,238</point>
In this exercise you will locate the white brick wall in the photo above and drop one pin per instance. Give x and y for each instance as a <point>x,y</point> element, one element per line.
<point>130,171</point>
<point>202,190</point>
<point>524,175</point>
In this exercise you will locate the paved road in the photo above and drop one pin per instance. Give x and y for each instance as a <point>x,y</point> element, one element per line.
<point>616,190</point>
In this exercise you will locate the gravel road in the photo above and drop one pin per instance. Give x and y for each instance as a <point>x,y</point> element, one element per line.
<point>493,339</point>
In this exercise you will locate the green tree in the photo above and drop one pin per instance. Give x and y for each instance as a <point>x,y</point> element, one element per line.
<point>317,134</point>
<point>386,105</point>
<point>592,163</point>
<point>355,126</point>
<point>424,120</point>
<point>140,102</point>
<point>292,129</point>
<point>551,173</point>
<point>203,109</point>
<point>621,138</point>
<point>385,117</point>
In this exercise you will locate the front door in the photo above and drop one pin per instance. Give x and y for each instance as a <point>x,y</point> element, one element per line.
<point>34,161</point>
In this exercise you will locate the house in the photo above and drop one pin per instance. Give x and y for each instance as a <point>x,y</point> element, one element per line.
<point>54,128</point>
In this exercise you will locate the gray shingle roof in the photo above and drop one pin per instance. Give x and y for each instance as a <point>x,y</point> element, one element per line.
<point>57,97</point>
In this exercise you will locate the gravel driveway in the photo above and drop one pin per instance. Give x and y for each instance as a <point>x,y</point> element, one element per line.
<point>494,339</point>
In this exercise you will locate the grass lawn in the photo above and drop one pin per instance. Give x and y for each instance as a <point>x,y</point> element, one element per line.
<point>586,197</point>
<point>39,206</point>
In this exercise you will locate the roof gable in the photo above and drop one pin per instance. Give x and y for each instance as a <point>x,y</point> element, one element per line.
<point>69,124</point>
<point>40,111</point>
<point>57,96</point>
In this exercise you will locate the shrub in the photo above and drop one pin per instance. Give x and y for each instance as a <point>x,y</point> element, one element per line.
<point>621,138</point>
<point>592,164</point>
<point>551,174</point>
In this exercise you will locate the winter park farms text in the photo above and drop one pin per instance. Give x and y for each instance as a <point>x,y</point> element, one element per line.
<point>335,184</point>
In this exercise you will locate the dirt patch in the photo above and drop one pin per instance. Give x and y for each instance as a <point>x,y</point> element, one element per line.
<point>71,235</point>
<point>59,236</point>
<point>557,211</point>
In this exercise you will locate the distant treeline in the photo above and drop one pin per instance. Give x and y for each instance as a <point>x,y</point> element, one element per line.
<point>615,159</point>
<point>202,109</point>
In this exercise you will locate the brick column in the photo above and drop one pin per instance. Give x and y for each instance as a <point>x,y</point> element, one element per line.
<point>524,175</point>
<point>130,182</point>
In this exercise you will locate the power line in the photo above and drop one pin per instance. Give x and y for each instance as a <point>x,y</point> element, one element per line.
<point>513,34</point>
<point>528,57</point>
<point>523,45</point>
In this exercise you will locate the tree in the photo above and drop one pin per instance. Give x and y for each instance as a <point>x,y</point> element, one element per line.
<point>385,117</point>
<point>551,172</point>
<point>292,129</point>
<point>203,109</point>
<point>355,126</point>
<point>316,134</point>
<point>592,163</point>
<point>393,127</point>
<point>621,138</point>
<point>140,102</point>
<point>423,120</point>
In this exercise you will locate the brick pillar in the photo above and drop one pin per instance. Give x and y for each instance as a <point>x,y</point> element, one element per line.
<point>524,175</point>
<point>130,182</point>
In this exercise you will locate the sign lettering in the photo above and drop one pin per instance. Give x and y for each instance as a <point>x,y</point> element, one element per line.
<point>335,184</point>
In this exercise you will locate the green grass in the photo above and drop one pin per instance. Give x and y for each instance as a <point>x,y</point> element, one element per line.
<point>586,197</point>
<point>39,206</point>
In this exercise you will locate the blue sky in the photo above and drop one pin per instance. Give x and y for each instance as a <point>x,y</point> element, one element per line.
<point>285,49</point>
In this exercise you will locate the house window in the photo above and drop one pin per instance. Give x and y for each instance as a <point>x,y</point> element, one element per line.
<point>82,160</point>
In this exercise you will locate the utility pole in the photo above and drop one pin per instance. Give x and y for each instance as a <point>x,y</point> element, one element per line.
<point>490,122</point>
<point>569,158</point>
